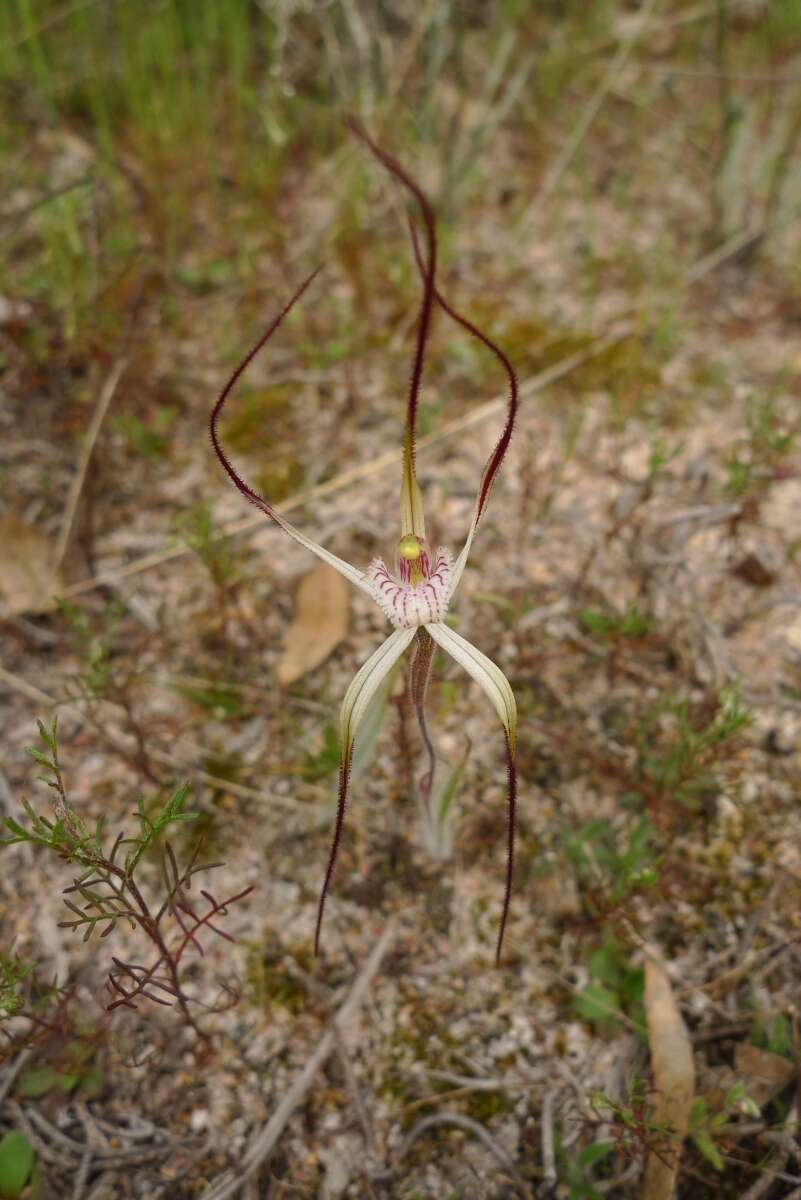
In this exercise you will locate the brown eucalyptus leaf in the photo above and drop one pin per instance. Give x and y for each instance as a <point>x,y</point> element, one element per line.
<point>28,582</point>
<point>673,1077</point>
<point>319,624</point>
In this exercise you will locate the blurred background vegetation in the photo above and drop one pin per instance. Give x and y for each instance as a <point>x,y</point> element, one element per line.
<point>156,149</point>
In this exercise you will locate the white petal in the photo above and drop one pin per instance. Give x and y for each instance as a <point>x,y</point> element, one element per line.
<point>353,575</point>
<point>461,562</point>
<point>365,684</point>
<point>484,671</point>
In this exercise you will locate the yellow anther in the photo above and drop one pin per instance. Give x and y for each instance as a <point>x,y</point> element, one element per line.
<point>409,547</point>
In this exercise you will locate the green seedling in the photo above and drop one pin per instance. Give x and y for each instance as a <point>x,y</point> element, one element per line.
<point>616,989</point>
<point>775,1035</point>
<point>705,1127</point>
<point>147,438</point>
<point>76,1072</point>
<point>17,1166</point>
<point>577,1170</point>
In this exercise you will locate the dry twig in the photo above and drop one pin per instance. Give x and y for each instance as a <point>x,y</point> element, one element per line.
<point>549,1175</point>
<point>478,1131</point>
<point>98,416</point>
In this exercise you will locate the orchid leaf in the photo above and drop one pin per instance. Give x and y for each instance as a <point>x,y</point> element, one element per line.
<point>496,686</point>
<point>364,746</point>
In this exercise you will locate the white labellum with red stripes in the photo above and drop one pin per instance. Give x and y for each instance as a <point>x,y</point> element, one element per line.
<point>422,593</point>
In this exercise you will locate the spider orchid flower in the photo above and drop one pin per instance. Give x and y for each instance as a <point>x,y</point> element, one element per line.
<point>416,596</point>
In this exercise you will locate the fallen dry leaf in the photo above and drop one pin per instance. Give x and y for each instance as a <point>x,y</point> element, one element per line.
<point>673,1075</point>
<point>320,623</point>
<point>764,1074</point>
<point>28,582</point>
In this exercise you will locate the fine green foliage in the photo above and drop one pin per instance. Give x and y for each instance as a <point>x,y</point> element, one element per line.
<point>633,1128</point>
<point>758,458</point>
<point>609,626</point>
<point>147,438</point>
<point>618,862</point>
<point>678,746</point>
<point>214,550</point>
<point>70,838</point>
<point>13,973</point>
<point>95,646</point>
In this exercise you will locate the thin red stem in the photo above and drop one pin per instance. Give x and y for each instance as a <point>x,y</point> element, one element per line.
<point>498,454</point>
<point>421,672</point>
<point>235,478</point>
<point>344,780</point>
<point>511,799</point>
<point>429,274</point>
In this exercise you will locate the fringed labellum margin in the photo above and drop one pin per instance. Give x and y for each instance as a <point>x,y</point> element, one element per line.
<point>415,599</point>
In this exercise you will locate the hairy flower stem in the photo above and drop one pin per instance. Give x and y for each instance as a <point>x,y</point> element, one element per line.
<point>511,802</point>
<point>342,798</point>
<point>427,305</point>
<point>498,454</point>
<point>420,674</point>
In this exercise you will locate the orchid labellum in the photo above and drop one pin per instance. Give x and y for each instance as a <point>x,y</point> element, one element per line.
<point>416,596</point>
